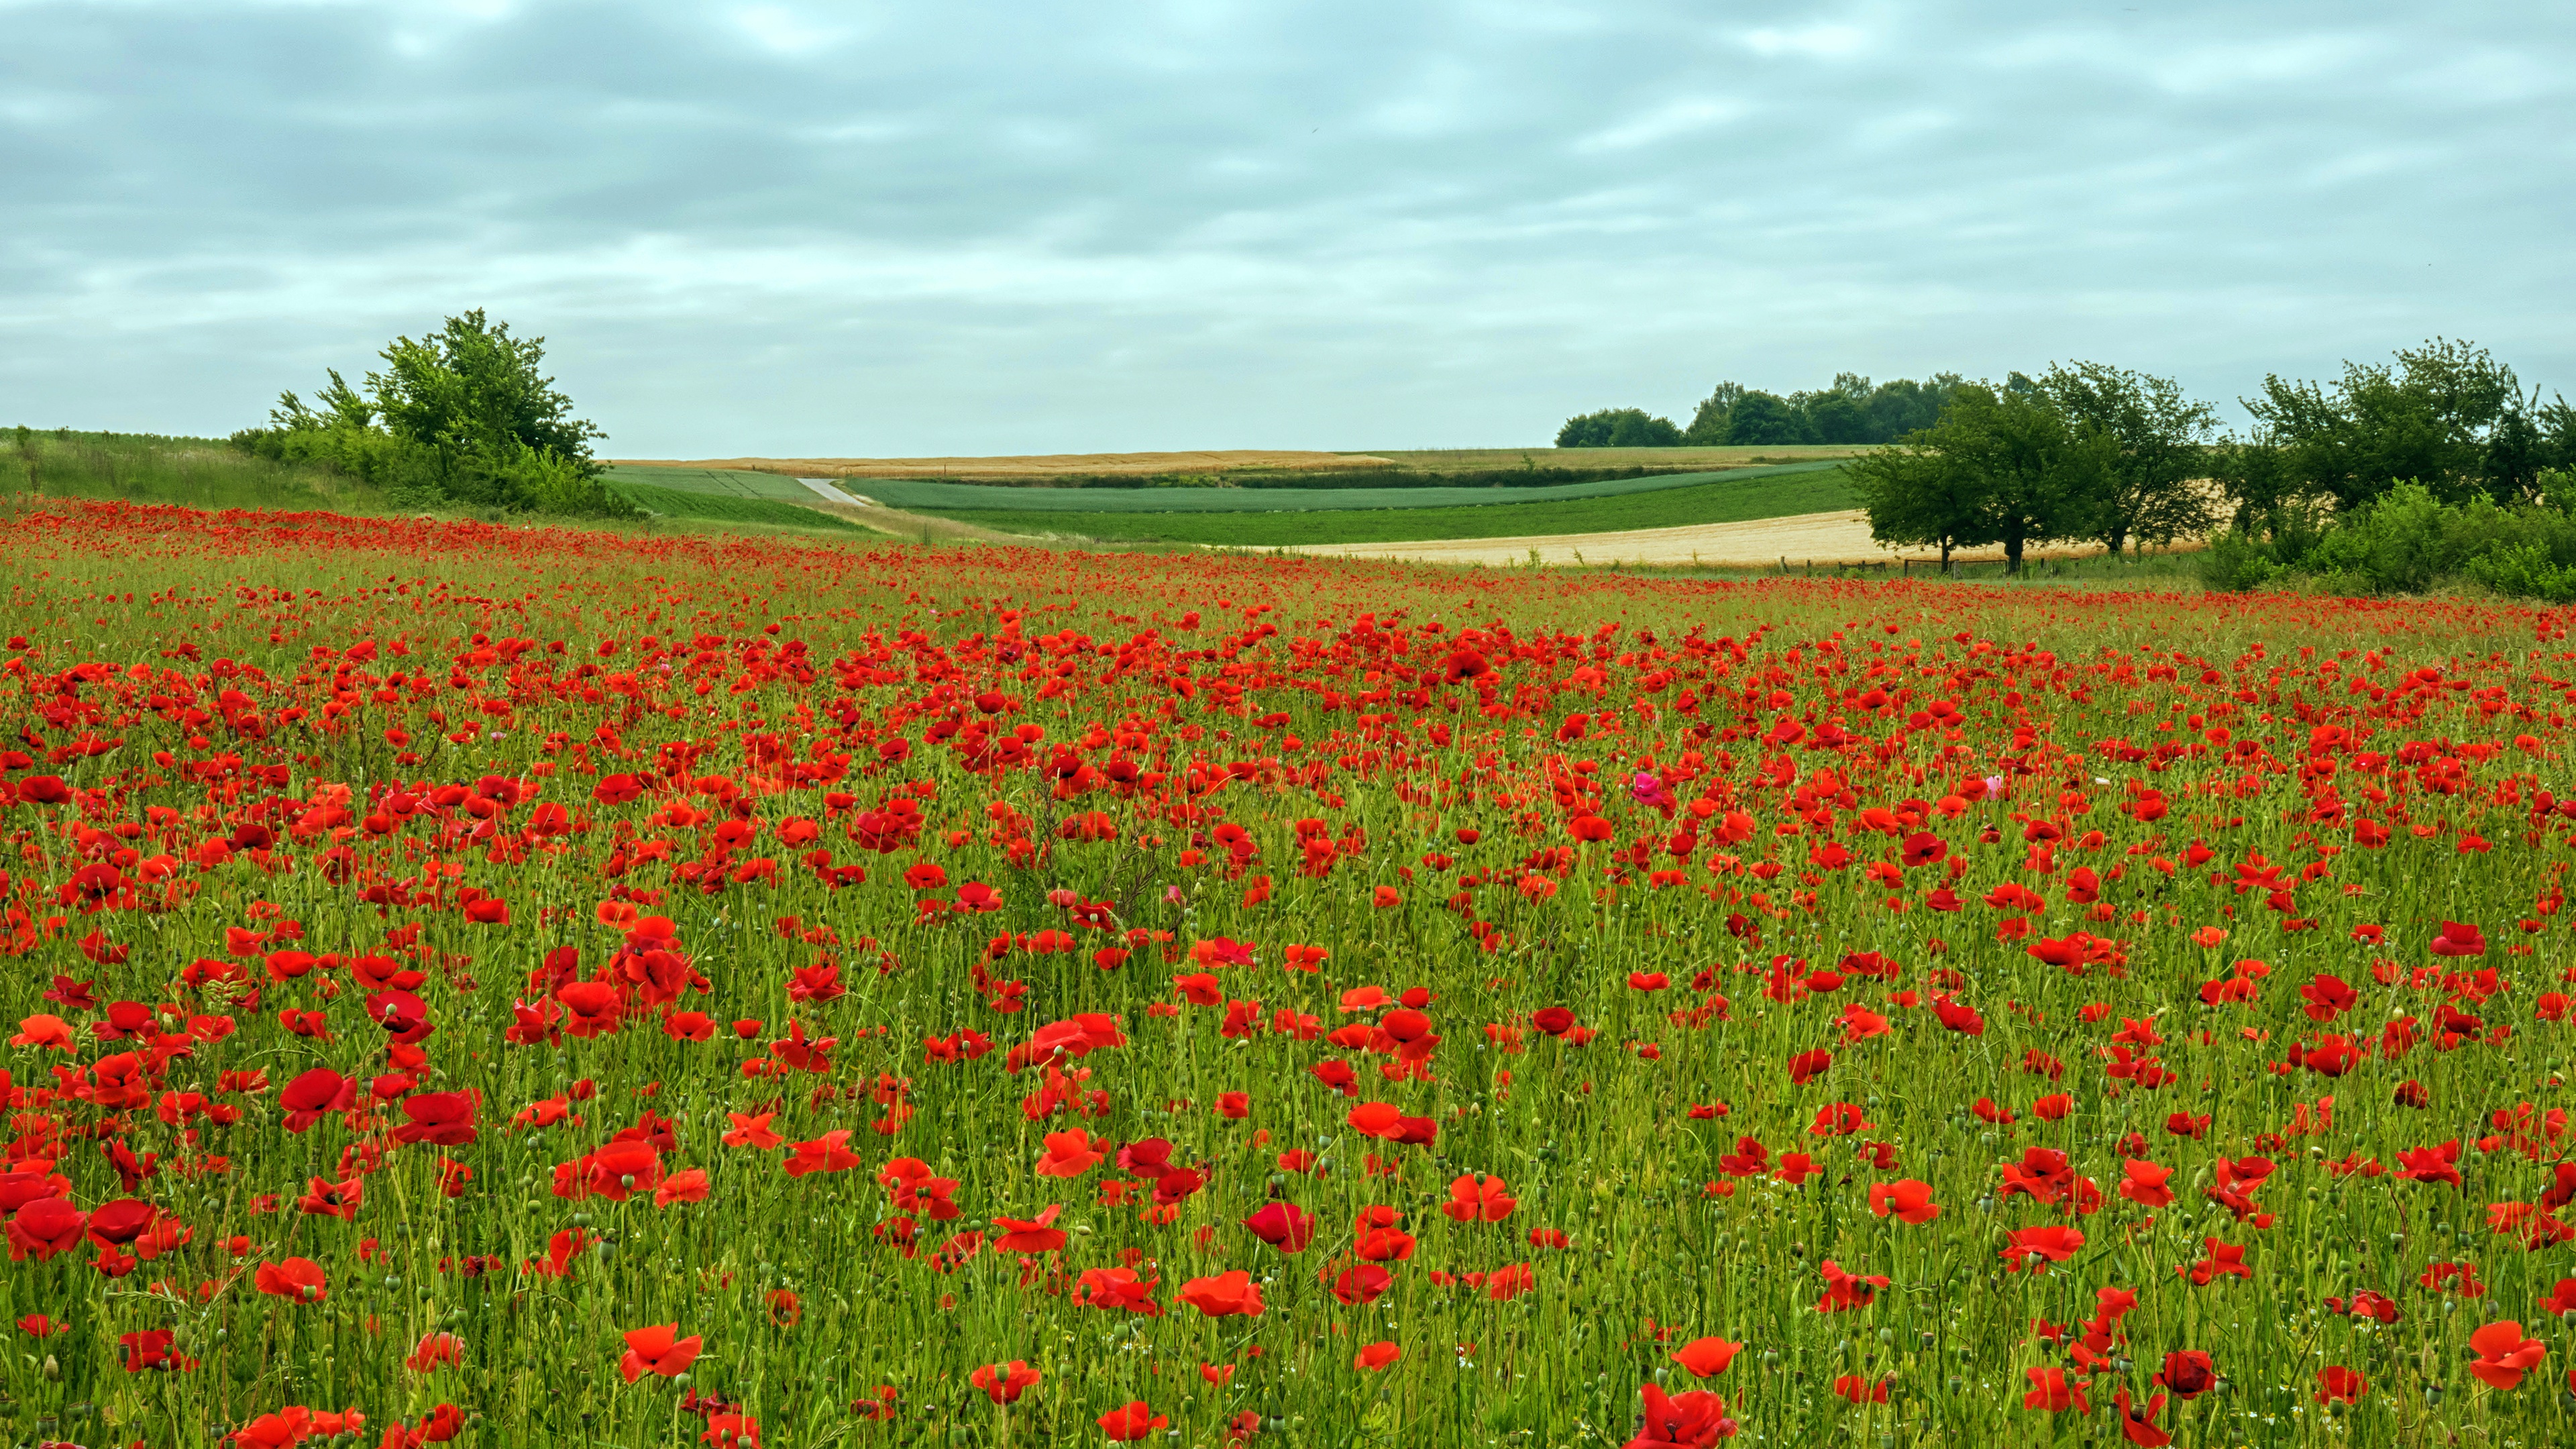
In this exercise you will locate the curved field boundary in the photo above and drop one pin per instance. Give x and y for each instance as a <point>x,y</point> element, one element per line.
<point>712,482</point>
<point>1733,500</point>
<point>969,497</point>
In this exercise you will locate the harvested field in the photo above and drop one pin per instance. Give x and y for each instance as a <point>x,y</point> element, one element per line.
<point>1838,537</point>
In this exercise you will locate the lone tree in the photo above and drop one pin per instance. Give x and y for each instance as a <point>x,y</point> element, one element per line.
<point>1917,495</point>
<point>2158,451</point>
<point>461,415</point>
<point>2005,467</point>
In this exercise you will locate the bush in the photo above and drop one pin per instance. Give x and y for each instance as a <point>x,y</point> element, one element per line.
<point>2405,541</point>
<point>458,417</point>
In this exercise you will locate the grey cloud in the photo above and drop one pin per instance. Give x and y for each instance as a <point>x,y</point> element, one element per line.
<point>986,228</point>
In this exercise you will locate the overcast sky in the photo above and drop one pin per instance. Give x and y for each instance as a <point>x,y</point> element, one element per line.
<point>850,229</point>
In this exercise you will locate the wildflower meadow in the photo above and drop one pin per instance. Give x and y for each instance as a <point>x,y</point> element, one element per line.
<point>519,987</point>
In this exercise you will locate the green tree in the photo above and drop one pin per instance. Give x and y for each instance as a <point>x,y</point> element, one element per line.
<point>2007,467</point>
<point>1618,428</point>
<point>472,390</point>
<point>2430,418</point>
<point>2151,489</point>
<point>1760,419</point>
<point>1708,421</point>
<point>1918,496</point>
<point>1901,405</point>
<point>463,415</point>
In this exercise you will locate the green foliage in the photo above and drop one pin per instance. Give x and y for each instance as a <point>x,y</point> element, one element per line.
<point>2447,415</point>
<point>2408,540</point>
<point>460,416</point>
<point>2007,467</point>
<point>1618,428</point>
<point>194,472</point>
<point>1851,412</point>
<point>2157,451</point>
<point>1760,420</point>
<point>1917,497</point>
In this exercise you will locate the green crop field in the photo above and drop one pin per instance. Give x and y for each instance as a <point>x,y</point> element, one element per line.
<point>712,482</point>
<point>1449,460</point>
<point>961,498</point>
<point>1736,497</point>
<point>725,508</point>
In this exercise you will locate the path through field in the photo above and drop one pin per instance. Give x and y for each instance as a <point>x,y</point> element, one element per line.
<point>1841,536</point>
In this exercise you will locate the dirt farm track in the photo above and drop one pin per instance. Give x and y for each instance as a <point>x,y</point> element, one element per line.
<point>1840,537</point>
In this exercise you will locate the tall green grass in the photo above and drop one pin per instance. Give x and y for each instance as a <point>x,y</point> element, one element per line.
<point>152,468</point>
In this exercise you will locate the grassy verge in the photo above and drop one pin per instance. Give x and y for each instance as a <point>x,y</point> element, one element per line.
<point>1775,495</point>
<point>150,468</point>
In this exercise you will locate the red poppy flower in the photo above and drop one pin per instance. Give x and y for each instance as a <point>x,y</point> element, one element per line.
<point>1034,1235</point>
<point>1375,1356</point>
<point>300,1279</point>
<point>2504,1355</point>
<point>45,1227</point>
<point>1909,1200</point>
<point>1223,1296</point>
<point>1117,1288</point>
<point>1131,1423</point>
<point>1284,1226</point>
<point>1004,1383</point>
<point>2225,1260</point>
<point>2143,1183</point>
<point>2036,1246</point>
<point>752,1131</point>
<point>434,1351</point>
<point>445,1119</point>
<point>658,1350</point>
<point>1845,1291</point>
<point>1362,1285</point>
<point>2188,1373</point>
<point>1706,1357</point>
<point>2140,1429</point>
<point>1070,1154</point>
<point>1480,1198</point>
<point>2052,1392</point>
<point>2457,939</point>
<point>2340,1385</point>
<point>823,1154</point>
<point>1693,1420</point>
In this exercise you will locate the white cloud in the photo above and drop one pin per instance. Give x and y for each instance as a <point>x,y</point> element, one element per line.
<point>789,31</point>
<point>1822,40</point>
<point>1663,123</point>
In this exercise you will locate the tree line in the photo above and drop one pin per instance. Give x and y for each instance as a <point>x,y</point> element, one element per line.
<point>1853,411</point>
<point>2089,452</point>
<point>463,415</point>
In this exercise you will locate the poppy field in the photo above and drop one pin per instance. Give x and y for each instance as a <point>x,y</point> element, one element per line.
<point>515,987</point>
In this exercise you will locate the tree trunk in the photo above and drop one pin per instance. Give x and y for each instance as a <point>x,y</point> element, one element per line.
<point>1945,558</point>
<point>2012,555</point>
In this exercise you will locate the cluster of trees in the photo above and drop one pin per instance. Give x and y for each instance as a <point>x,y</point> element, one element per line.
<point>2089,452</point>
<point>2446,415</point>
<point>2083,451</point>
<point>2396,475</point>
<point>461,416</point>
<point>1852,411</point>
